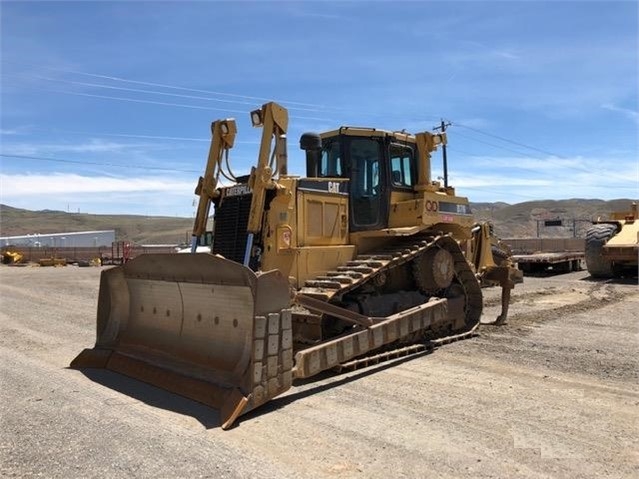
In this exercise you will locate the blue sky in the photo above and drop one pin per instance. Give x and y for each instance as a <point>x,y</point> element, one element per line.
<point>542,95</point>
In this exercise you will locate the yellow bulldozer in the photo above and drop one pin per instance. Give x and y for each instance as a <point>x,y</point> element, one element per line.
<point>612,245</point>
<point>11,255</point>
<point>366,255</point>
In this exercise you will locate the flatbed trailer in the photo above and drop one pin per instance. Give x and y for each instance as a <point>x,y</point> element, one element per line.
<point>559,262</point>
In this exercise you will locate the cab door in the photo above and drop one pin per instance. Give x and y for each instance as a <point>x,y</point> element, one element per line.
<point>368,185</point>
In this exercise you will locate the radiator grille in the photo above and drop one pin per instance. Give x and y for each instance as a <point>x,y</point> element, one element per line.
<point>229,230</point>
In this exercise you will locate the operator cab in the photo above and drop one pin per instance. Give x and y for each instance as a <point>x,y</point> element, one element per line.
<point>376,163</point>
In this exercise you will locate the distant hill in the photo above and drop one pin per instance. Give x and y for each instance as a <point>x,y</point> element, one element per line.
<point>520,220</point>
<point>134,228</point>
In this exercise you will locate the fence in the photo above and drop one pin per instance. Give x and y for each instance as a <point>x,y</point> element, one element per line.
<point>115,254</point>
<point>74,254</point>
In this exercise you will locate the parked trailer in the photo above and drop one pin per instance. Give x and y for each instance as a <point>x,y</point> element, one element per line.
<point>558,262</point>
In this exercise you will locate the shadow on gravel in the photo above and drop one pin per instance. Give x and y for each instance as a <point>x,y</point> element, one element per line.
<point>545,274</point>
<point>153,396</point>
<point>625,280</point>
<point>336,380</point>
<point>209,417</point>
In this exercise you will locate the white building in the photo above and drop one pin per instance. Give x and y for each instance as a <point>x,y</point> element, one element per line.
<point>60,240</point>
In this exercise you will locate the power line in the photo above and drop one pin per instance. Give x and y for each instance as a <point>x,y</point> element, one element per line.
<point>537,170</point>
<point>150,92</point>
<point>207,140</point>
<point>135,100</point>
<point>323,107</point>
<point>457,150</point>
<point>129,166</point>
<point>95,163</point>
<point>144,137</point>
<point>546,152</point>
<point>320,108</point>
<point>317,108</point>
<point>162,85</point>
<point>491,144</point>
<point>153,102</point>
<point>524,155</point>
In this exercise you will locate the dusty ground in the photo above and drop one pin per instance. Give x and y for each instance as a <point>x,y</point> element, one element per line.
<point>554,393</point>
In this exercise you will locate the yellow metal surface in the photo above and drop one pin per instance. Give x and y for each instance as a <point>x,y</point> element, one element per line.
<point>198,325</point>
<point>12,256</point>
<point>369,133</point>
<point>314,261</point>
<point>222,138</point>
<point>281,241</point>
<point>405,212</point>
<point>219,333</point>
<point>311,361</point>
<point>274,120</point>
<point>627,236</point>
<point>387,233</point>
<point>623,247</point>
<point>426,143</point>
<point>304,227</point>
<point>52,262</point>
<point>323,217</point>
<point>632,214</point>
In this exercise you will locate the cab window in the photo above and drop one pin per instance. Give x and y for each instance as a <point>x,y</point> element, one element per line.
<point>331,162</point>
<point>402,166</point>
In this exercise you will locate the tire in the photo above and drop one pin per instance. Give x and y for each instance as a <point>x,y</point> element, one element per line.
<point>596,237</point>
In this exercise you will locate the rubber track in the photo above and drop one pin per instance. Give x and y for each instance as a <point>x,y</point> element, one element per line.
<point>364,268</point>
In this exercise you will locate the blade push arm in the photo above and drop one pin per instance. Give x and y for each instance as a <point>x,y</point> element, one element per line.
<point>273,119</point>
<point>223,135</point>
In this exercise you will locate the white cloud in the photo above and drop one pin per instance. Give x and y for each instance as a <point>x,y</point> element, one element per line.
<point>94,145</point>
<point>516,179</point>
<point>9,131</point>
<point>154,196</point>
<point>632,114</point>
<point>28,185</point>
<point>475,122</point>
<point>562,169</point>
<point>535,164</point>
<point>475,181</point>
<point>505,54</point>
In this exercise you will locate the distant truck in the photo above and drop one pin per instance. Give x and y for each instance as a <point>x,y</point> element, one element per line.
<point>612,246</point>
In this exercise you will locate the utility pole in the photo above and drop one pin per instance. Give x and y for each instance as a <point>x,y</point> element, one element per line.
<point>442,127</point>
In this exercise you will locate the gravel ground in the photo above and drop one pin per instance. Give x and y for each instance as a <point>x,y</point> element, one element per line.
<point>553,393</point>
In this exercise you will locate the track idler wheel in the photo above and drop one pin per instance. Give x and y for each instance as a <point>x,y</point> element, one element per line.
<point>434,270</point>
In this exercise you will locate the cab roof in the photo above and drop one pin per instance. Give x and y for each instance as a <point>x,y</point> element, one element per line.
<point>403,135</point>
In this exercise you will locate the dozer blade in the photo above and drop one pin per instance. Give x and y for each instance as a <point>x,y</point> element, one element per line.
<point>198,325</point>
